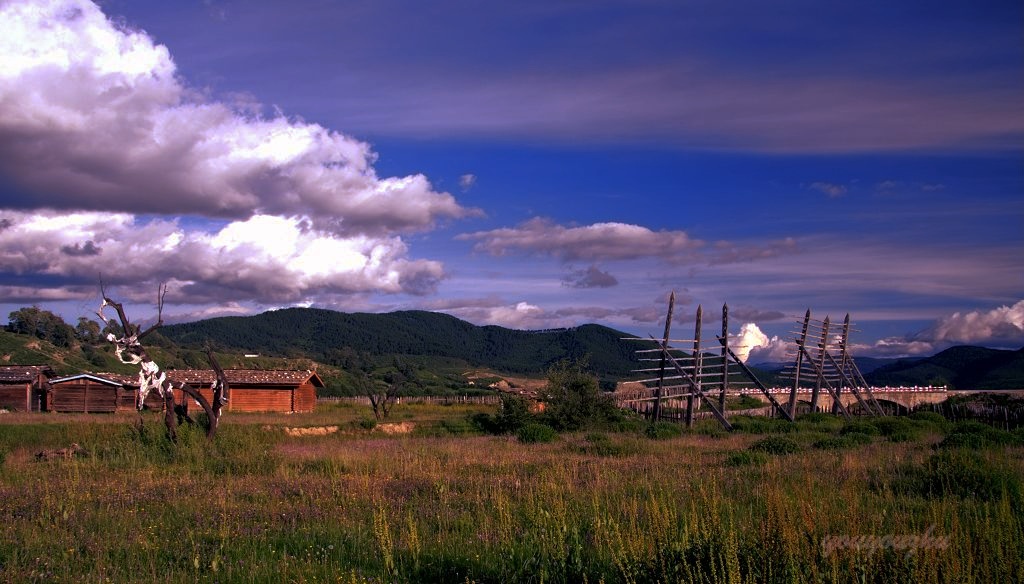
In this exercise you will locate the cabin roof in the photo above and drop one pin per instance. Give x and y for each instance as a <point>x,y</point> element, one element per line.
<point>99,377</point>
<point>23,373</point>
<point>247,376</point>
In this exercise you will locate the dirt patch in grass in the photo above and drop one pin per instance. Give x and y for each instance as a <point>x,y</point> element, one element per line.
<point>314,431</point>
<point>399,428</point>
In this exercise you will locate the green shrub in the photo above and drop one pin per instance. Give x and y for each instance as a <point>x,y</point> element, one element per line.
<point>367,424</point>
<point>832,443</point>
<point>966,474</point>
<point>817,418</point>
<point>598,444</point>
<point>745,458</point>
<point>974,435</point>
<point>573,398</point>
<point>513,414</point>
<point>932,419</point>
<point>663,430</point>
<point>889,425</point>
<point>533,433</point>
<point>775,445</point>
<point>762,425</point>
<point>848,440</point>
<point>859,428</point>
<point>908,436</point>
<point>629,424</point>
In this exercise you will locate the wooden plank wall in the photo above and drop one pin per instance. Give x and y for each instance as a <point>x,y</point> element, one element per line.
<point>260,400</point>
<point>257,399</point>
<point>16,396</point>
<point>86,395</point>
<point>305,398</point>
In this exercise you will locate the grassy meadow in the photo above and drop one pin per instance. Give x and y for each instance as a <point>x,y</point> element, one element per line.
<point>440,501</point>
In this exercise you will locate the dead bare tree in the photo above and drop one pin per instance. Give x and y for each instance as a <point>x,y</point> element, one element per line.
<point>129,350</point>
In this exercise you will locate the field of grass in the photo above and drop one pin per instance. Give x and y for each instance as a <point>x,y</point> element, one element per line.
<point>924,500</point>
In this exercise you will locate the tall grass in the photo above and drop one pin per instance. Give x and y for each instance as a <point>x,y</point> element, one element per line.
<point>362,506</point>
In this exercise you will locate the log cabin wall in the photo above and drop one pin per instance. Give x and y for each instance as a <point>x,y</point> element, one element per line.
<point>247,399</point>
<point>86,395</point>
<point>253,390</point>
<point>305,398</point>
<point>16,396</point>
<point>24,387</point>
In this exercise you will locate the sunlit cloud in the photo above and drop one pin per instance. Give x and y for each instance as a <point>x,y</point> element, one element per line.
<point>263,259</point>
<point>599,241</point>
<point>94,115</point>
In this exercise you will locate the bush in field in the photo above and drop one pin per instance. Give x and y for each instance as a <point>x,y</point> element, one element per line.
<point>775,445</point>
<point>850,440</point>
<point>762,425</point>
<point>817,418</point>
<point>745,458</point>
<point>973,435</point>
<point>533,433</point>
<point>931,420</point>
<point>859,428</point>
<point>573,398</point>
<point>965,474</point>
<point>513,414</point>
<point>600,444</point>
<point>663,430</point>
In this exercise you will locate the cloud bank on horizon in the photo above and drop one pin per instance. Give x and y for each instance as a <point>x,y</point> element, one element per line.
<point>113,164</point>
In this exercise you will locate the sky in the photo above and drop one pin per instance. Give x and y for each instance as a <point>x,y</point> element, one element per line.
<point>532,164</point>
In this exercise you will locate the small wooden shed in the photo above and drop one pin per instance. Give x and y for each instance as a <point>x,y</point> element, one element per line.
<point>254,390</point>
<point>24,387</point>
<point>92,393</point>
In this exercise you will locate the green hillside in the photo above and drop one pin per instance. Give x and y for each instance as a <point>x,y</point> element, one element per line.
<point>959,367</point>
<point>328,336</point>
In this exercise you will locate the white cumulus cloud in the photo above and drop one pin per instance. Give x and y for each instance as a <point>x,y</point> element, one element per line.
<point>751,342</point>
<point>264,258</point>
<point>94,116</point>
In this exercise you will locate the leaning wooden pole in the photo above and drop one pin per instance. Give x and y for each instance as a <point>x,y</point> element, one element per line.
<point>685,375</point>
<point>661,369</point>
<point>822,349</point>
<point>828,386</point>
<point>843,359</point>
<point>768,394</point>
<point>725,357</point>
<point>800,342</point>
<point>692,398</point>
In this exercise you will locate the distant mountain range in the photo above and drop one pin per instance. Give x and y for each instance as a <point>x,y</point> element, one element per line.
<point>438,342</point>
<point>326,336</point>
<point>962,367</point>
<point>958,367</point>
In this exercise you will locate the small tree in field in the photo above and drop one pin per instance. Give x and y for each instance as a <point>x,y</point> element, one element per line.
<point>383,394</point>
<point>573,397</point>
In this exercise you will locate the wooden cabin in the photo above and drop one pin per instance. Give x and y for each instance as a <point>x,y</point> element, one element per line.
<point>253,390</point>
<point>92,393</point>
<point>24,387</point>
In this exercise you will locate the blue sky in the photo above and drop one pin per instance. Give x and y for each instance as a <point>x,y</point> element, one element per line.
<point>528,164</point>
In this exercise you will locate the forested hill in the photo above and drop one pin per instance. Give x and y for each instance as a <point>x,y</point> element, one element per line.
<point>958,367</point>
<point>328,336</point>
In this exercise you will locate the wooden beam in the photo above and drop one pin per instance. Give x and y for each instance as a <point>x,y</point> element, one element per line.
<point>746,370</point>
<point>711,404</point>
